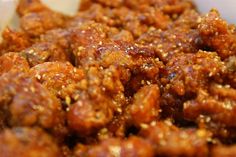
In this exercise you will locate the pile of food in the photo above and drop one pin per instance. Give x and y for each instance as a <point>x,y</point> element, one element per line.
<point>122,78</point>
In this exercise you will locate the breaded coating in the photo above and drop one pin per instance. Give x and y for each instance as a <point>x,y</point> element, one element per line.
<point>218,35</point>
<point>146,105</point>
<point>35,24</point>
<point>218,105</point>
<point>136,22</point>
<point>95,101</point>
<point>28,103</point>
<point>185,75</point>
<point>44,52</point>
<point>13,62</point>
<point>57,75</point>
<point>171,42</point>
<point>14,41</point>
<point>169,140</point>
<point>131,147</point>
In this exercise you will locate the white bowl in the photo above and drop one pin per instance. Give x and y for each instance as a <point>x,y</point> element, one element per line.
<point>7,11</point>
<point>68,7</point>
<point>227,8</point>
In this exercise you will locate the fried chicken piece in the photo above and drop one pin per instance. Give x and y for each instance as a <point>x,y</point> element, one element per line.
<point>44,52</point>
<point>131,147</point>
<point>100,14</point>
<point>173,7</point>
<point>93,45</point>
<point>186,74</point>
<point>13,62</point>
<point>136,22</point>
<point>140,65</point>
<point>26,103</point>
<point>217,105</point>
<point>171,42</point>
<point>167,6</point>
<point>170,7</point>
<point>89,33</point>
<point>188,19</point>
<point>146,105</point>
<point>213,109</point>
<point>95,101</point>
<point>59,36</point>
<point>92,34</point>
<point>14,41</point>
<point>57,75</point>
<point>189,72</point>
<point>139,61</point>
<point>136,112</point>
<point>27,142</point>
<point>86,116</point>
<point>35,24</point>
<point>218,35</point>
<point>168,140</point>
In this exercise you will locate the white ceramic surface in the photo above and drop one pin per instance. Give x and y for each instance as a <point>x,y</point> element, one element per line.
<point>227,8</point>
<point>68,7</point>
<point>7,11</point>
